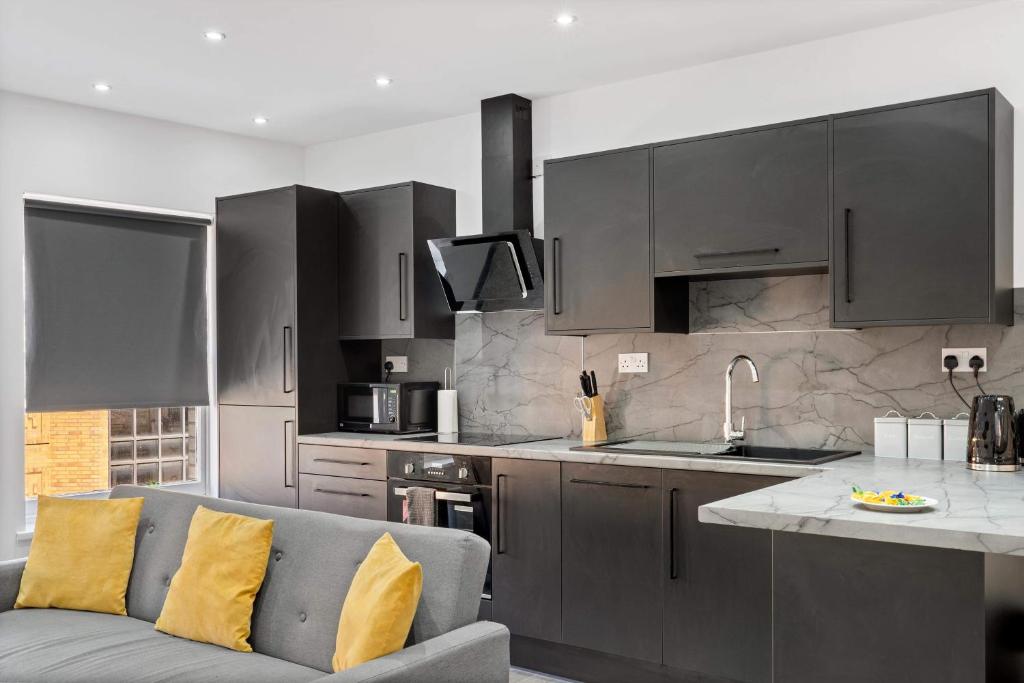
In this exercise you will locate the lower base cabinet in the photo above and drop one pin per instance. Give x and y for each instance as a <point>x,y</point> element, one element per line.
<point>718,592</point>
<point>257,455</point>
<point>362,498</point>
<point>343,481</point>
<point>612,561</point>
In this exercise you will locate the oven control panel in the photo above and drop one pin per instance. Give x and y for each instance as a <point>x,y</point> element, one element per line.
<point>455,469</point>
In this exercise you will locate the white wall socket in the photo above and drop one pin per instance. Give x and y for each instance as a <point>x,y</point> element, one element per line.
<point>401,363</point>
<point>963,356</point>
<point>632,362</point>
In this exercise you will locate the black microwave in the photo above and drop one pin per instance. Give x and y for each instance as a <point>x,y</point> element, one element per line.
<point>400,408</point>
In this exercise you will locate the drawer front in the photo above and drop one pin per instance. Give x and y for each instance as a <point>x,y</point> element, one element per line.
<point>362,498</point>
<point>338,461</point>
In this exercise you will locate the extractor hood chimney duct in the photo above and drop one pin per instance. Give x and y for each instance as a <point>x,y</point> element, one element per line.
<point>502,269</point>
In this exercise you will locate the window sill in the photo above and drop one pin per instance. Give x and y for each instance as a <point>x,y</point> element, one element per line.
<point>24,536</point>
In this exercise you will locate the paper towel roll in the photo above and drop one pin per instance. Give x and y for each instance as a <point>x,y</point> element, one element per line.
<point>447,411</point>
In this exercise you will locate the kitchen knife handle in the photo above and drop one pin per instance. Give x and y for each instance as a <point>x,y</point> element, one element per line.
<point>556,291</point>
<point>846,254</point>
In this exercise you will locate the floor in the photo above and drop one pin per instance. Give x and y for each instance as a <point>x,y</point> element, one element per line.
<point>527,676</point>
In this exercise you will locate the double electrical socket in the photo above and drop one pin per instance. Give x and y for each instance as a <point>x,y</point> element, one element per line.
<point>632,362</point>
<point>963,357</point>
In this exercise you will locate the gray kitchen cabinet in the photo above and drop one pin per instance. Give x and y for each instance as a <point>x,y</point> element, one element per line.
<point>363,498</point>
<point>276,302</point>
<point>258,455</point>
<point>526,553</point>
<point>743,202</point>
<point>718,588</point>
<point>612,560</point>
<point>387,281</point>
<point>597,244</point>
<point>342,461</point>
<point>922,223</point>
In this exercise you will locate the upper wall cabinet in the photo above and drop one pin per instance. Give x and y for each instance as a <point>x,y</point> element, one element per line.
<point>922,229</point>
<point>597,241</point>
<point>388,285</point>
<point>745,201</point>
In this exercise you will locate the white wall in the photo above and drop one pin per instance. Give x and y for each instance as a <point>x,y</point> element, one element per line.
<point>63,149</point>
<point>949,53</point>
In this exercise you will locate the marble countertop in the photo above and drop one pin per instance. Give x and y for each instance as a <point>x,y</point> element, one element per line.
<point>977,511</point>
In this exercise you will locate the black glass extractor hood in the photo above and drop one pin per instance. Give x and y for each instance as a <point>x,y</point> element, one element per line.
<point>499,271</point>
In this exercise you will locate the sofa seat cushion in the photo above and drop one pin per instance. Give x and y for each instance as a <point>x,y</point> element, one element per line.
<point>65,645</point>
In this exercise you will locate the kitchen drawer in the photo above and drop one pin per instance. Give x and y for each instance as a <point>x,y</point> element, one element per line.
<point>363,498</point>
<point>340,461</point>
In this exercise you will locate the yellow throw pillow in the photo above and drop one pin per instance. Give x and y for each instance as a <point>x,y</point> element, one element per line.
<point>380,606</point>
<point>222,568</point>
<point>81,555</point>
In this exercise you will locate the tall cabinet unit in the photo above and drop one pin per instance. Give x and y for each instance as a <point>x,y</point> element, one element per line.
<point>388,284</point>
<point>923,209</point>
<point>278,360</point>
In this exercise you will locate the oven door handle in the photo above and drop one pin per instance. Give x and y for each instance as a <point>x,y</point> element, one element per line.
<point>441,495</point>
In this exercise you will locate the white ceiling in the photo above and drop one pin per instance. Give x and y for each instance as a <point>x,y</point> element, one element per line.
<point>310,65</point>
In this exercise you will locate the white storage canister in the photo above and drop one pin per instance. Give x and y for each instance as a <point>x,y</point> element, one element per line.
<point>924,437</point>
<point>954,438</point>
<point>891,435</point>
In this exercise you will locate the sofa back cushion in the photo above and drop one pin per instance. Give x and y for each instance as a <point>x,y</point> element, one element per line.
<point>313,559</point>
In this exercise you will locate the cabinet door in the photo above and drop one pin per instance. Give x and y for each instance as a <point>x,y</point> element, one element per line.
<point>258,455</point>
<point>911,224</point>
<point>361,498</point>
<point>526,553</point>
<point>718,592</point>
<point>597,242</point>
<point>741,200</point>
<point>375,251</point>
<point>256,299</point>
<point>612,559</point>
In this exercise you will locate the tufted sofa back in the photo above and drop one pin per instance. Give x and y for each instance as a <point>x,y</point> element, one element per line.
<point>313,559</point>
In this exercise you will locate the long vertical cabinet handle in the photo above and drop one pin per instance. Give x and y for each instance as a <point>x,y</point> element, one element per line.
<point>846,254</point>
<point>403,282</point>
<point>289,454</point>
<point>499,491</point>
<point>556,262</point>
<point>289,361</point>
<point>673,565</point>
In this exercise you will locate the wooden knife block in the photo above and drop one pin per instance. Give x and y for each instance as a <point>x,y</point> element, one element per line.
<point>594,429</point>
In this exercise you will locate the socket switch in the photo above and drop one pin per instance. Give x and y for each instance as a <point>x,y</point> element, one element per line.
<point>632,362</point>
<point>401,363</point>
<point>963,357</point>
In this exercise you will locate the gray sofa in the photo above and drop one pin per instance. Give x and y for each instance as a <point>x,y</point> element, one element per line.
<point>295,620</point>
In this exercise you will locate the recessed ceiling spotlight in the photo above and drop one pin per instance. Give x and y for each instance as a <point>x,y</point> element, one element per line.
<point>101,87</point>
<point>382,81</point>
<point>260,120</point>
<point>215,36</point>
<point>565,19</point>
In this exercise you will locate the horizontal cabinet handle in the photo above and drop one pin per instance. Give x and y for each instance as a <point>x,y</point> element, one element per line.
<point>441,495</point>
<point>342,462</point>
<point>341,493</point>
<point>737,252</point>
<point>609,483</point>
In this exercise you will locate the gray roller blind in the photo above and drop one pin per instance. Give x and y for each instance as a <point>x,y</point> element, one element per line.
<point>115,308</point>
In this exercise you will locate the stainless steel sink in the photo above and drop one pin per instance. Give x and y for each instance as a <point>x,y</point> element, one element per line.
<point>719,451</point>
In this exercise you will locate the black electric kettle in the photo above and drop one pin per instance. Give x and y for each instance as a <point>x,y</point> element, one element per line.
<point>992,439</point>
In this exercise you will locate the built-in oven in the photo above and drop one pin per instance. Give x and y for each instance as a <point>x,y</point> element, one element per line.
<point>462,493</point>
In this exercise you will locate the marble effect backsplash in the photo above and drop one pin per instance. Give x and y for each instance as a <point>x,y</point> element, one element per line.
<point>819,387</point>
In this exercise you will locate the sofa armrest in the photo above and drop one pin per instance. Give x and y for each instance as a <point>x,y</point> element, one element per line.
<point>10,582</point>
<point>478,653</point>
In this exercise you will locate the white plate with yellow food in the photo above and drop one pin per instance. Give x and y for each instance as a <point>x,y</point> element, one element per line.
<point>892,500</point>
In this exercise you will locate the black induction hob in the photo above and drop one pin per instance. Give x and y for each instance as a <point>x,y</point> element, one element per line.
<point>479,439</point>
